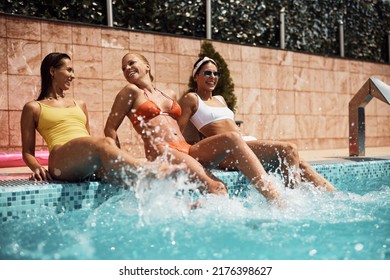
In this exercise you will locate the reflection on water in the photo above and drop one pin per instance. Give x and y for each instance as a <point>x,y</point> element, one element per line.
<point>154,220</point>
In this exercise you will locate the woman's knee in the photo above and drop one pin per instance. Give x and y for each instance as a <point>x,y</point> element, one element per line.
<point>234,137</point>
<point>103,144</point>
<point>291,150</point>
<point>108,141</point>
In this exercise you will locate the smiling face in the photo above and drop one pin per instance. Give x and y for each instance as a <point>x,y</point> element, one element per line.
<point>134,67</point>
<point>206,80</point>
<point>62,76</point>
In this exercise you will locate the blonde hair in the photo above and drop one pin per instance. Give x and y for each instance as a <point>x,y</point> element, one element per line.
<point>143,58</point>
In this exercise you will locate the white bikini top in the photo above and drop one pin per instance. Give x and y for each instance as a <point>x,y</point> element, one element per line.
<point>207,114</point>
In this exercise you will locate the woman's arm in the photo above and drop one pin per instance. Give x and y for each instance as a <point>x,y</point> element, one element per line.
<point>188,104</point>
<point>28,122</point>
<point>83,106</point>
<point>119,110</point>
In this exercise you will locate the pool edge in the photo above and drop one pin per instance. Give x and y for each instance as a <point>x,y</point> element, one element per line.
<point>21,197</point>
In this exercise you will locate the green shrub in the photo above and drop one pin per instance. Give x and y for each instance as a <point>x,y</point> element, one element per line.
<point>311,26</point>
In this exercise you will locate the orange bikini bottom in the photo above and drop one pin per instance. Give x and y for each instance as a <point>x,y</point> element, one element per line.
<point>181,146</point>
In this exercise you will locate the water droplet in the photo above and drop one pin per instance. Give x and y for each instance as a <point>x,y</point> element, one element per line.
<point>57,172</point>
<point>359,247</point>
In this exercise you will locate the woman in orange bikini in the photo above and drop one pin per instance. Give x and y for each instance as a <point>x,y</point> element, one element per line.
<point>154,113</point>
<point>63,123</point>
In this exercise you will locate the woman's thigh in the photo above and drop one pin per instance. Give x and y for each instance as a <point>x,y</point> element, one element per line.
<point>212,150</point>
<point>273,153</point>
<point>76,159</point>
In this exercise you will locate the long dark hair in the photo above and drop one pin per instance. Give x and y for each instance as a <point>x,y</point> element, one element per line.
<point>51,60</point>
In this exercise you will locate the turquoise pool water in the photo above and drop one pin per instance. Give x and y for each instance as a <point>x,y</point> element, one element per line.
<point>154,221</point>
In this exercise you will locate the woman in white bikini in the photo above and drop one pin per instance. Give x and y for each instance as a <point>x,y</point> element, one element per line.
<point>211,116</point>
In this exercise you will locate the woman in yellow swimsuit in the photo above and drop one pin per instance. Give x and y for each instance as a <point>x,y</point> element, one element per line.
<point>63,123</point>
<point>154,115</point>
<point>211,116</point>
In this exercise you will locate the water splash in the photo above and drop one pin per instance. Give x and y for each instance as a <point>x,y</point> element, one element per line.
<point>154,220</point>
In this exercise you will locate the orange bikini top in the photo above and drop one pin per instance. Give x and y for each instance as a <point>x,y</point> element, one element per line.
<point>148,110</point>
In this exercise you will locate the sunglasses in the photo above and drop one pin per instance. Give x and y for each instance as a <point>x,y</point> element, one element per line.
<point>208,73</point>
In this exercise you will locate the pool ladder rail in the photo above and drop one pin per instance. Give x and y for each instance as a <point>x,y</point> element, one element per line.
<point>373,87</point>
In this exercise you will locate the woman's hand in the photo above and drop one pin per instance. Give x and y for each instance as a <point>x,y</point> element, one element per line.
<point>40,174</point>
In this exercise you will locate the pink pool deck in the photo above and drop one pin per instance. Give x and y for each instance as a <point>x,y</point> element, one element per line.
<point>312,156</point>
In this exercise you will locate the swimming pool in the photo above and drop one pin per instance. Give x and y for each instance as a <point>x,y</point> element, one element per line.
<point>93,221</point>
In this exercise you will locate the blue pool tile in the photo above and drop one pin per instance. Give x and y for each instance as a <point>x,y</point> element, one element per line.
<point>25,197</point>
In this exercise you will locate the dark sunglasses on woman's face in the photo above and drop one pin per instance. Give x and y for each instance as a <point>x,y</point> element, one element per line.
<point>208,73</point>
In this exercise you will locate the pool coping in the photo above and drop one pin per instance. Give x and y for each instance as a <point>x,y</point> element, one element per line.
<point>20,197</point>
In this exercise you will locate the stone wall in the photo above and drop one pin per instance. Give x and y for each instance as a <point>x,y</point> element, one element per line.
<point>281,95</point>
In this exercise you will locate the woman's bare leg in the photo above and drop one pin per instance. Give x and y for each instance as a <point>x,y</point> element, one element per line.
<point>310,175</point>
<point>81,157</point>
<point>281,154</point>
<point>274,155</point>
<point>212,150</point>
<point>293,169</point>
<point>198,172</point>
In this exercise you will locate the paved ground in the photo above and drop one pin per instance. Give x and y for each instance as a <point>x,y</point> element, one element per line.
<point>313,156</point>
<point>340,155</point>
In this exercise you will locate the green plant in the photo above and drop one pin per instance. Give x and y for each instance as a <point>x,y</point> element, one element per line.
<point>310,26</point>
<point>225,86</point>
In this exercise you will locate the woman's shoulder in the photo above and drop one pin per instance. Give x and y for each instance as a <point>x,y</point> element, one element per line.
<point>129,90</point>
<point>31,110</point>
<point>31,105</point>
<point>131,87</point>
<point>190,97</point>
